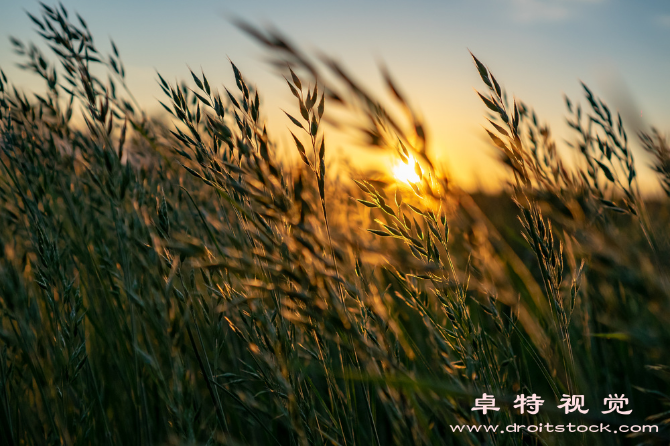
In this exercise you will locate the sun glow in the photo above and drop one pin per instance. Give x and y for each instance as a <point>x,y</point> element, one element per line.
<point>405,172</point>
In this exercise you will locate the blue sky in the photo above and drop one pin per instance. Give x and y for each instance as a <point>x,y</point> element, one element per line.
<point>537,49</point>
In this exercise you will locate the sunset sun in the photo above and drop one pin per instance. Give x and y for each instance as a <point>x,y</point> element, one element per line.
<point>406,172</point>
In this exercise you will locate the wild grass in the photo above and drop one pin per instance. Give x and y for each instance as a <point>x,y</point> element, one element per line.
<point>178,284</point>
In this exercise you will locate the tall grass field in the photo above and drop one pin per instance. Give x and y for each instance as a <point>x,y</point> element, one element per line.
<point>181,281</point>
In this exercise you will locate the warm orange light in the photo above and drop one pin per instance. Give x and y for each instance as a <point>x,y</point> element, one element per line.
<point>405,172</point>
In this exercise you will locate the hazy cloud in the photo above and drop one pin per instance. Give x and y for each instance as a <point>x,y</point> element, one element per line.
<point>546,10</point>
<point>663,20</point>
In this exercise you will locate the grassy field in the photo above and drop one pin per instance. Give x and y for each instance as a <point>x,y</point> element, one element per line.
<point>176,283</point>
